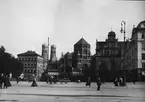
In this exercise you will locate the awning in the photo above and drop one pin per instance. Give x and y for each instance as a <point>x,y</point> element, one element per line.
<point>53,73</point>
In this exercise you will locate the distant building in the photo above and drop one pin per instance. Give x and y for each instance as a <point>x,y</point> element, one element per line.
<point>135,52</point>
<point>68,62</point>
<point>53,57</point>
<point>108,57</point>
<point>45,53</point>
<point>81,56</point>
<point>32,64</point>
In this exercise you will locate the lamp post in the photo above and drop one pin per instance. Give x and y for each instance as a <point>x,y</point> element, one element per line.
<point>123,30</point>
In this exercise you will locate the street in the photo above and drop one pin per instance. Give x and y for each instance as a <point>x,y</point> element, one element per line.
<point>73,92</point>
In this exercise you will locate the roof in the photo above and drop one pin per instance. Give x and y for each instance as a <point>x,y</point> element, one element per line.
<point>141,25</point>
<point>82,41</point>
<point>29,53</point>
<point>111,33</point>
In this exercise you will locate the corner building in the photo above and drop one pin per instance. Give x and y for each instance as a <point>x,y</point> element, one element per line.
<point>135,53</point>
<point>32,64</point>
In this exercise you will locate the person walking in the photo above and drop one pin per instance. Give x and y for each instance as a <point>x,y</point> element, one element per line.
<point>116,82</point>
<point>17,79</point>
<point>120,81</point>
<point>5,81</point>
<point>88,82</point>
<point>34,84</point>
<point>98,84</point>
<point>1,80</point>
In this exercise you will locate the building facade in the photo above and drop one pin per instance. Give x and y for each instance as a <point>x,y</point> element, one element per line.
<point>108,57</point>
<point>81,56</point>
<point>32,64</point>
<point>135,52</point>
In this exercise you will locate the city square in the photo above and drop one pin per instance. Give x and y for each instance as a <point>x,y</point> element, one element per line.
<point>72,50</point>
<point>72,92</point>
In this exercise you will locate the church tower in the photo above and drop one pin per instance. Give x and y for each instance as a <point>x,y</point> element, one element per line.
<point>53,53</point>
<point>45,53</point>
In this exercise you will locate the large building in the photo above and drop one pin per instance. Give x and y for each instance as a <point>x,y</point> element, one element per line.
<point>108,57</point>
<point>135,52</point>
<point>81,56</point>
<point>32,64</point>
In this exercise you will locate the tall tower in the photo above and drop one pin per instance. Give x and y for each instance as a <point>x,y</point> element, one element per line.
<point>53,53</point>
<point>45,53</point>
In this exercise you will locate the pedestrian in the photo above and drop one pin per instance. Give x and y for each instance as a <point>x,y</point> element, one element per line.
<point>5,81</point>
<point>98,84</point>
<point>10,76</point>
<point>47,78</point>
<point>88,82</point>
<point>34,84</point>
<point>116,82</point>
<point>120,81</point>
<point>1,80</point>
<point>17,79</point>
<point>51,79</point>
<point>133,80</point>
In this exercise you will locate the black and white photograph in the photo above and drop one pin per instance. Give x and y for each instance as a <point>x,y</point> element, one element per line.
<point>72,51</point>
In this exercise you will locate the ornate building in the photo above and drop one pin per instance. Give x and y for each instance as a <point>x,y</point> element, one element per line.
<point>108,57</point>
<point>32,64</point>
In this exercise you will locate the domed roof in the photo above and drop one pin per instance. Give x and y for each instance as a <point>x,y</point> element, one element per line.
<point>141,25</point>
<point>111,33</point>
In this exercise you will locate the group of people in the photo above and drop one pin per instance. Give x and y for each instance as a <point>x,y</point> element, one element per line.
<point>4,81</point>
<point>88,83</point>
<point>51,79</point>
<point>119,82</point>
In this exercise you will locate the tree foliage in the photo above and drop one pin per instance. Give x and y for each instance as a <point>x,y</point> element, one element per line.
<point>9,64</point>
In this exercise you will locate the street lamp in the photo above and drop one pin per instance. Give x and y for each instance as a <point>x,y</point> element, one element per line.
<point>123,25</point>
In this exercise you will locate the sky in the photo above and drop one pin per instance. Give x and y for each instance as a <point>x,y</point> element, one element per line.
<point>27,24</point>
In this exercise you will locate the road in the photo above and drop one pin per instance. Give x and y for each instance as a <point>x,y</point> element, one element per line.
<point>72,92</point>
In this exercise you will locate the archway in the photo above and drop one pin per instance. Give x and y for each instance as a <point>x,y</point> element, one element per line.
<point>103,71</point>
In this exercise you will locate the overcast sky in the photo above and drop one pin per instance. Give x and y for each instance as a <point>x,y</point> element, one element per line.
<point>27,24</point>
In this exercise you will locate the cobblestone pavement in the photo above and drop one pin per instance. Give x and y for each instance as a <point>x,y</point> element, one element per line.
<point>72,92</point>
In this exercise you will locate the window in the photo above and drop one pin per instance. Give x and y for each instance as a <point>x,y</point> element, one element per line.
<point>142,35</point>
<point>143,46</point>
<point>143,56</point>
<point>143,65</point>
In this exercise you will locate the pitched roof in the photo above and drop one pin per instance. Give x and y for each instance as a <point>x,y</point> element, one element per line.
<point>82,41</point>
<point>29,53</point>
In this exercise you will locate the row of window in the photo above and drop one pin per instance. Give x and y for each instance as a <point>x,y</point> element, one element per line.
<point>29,70</point>
<point>29,65</point>
<point>28,59</point>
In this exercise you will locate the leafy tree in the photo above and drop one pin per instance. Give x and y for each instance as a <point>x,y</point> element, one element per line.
<point>8,63</point>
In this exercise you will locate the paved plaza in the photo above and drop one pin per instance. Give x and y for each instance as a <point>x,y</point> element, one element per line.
<point>72,92</point>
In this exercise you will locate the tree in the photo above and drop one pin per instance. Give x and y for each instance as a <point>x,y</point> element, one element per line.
<point>8,63</point>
